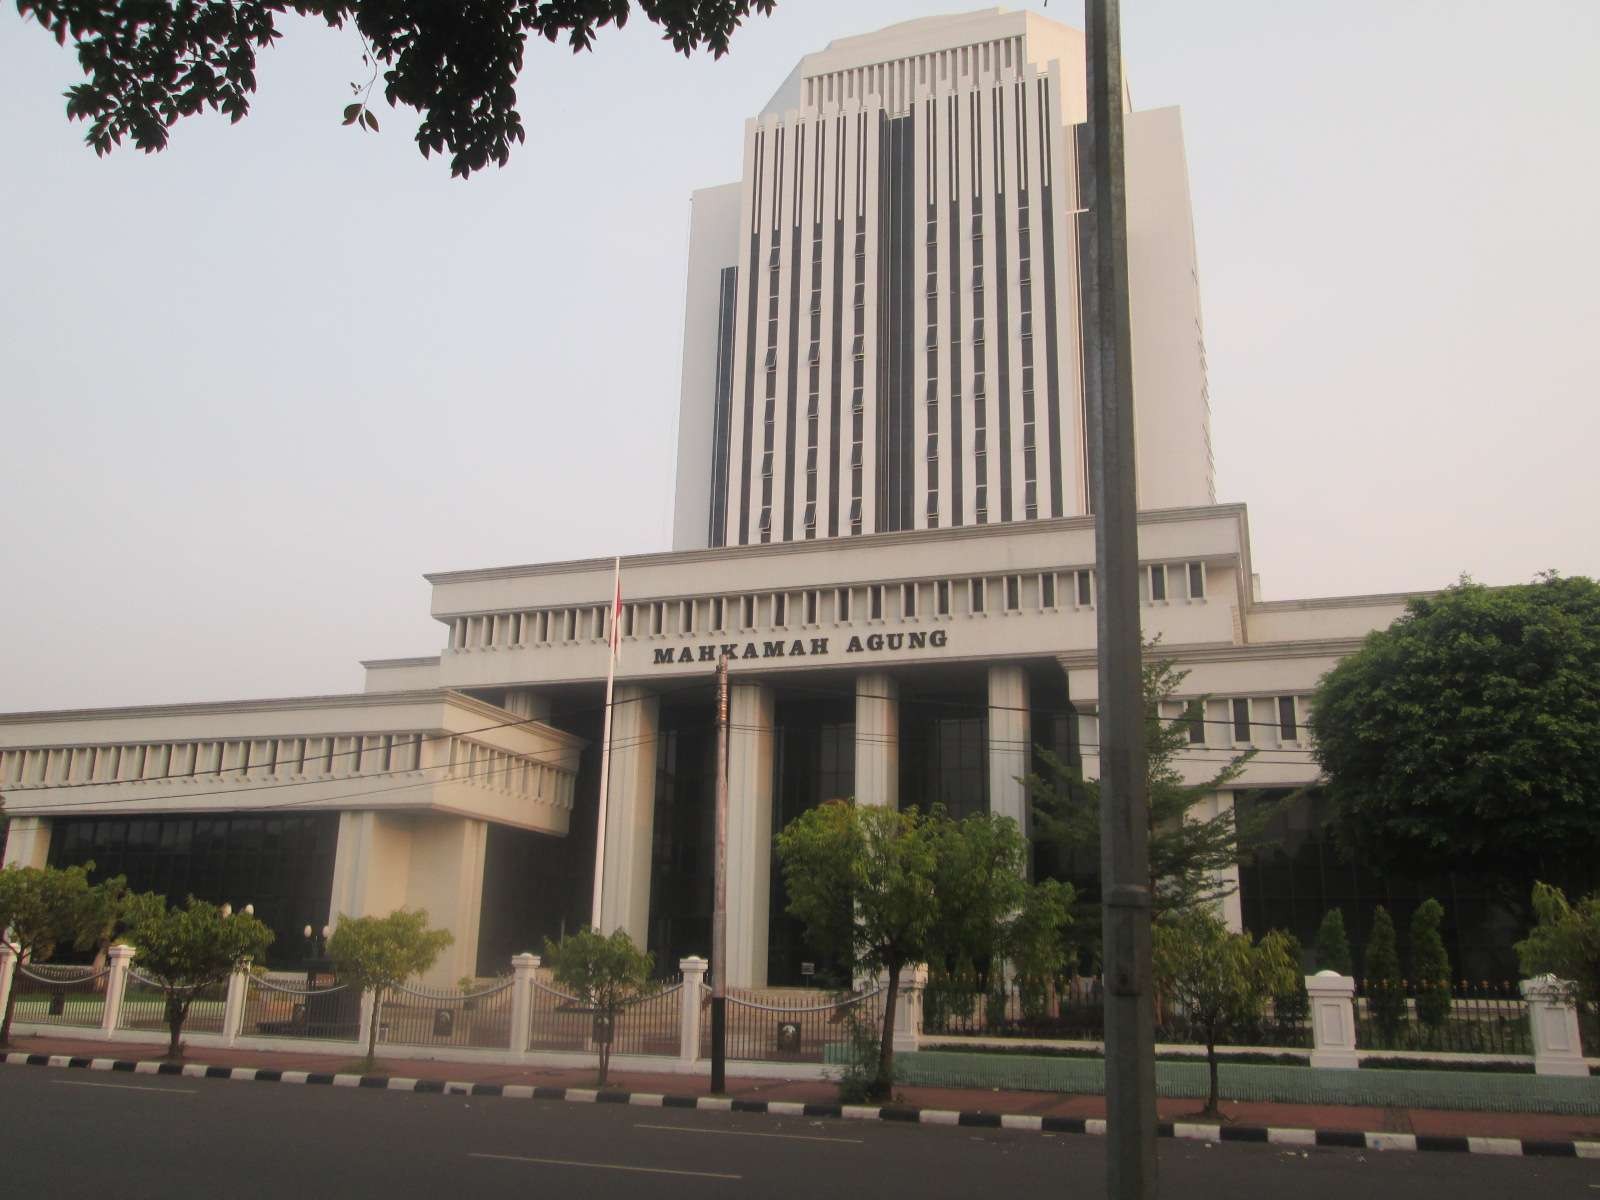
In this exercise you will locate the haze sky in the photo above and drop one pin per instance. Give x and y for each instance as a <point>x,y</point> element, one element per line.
<point>254,386</point>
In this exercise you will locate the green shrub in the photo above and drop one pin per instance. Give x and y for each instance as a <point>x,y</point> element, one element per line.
<point>1385,989</point>
<point>1333,947</point>
<point>1430,965</point>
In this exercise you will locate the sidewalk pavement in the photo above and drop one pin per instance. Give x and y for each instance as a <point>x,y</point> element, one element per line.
<point>1301,1116</point>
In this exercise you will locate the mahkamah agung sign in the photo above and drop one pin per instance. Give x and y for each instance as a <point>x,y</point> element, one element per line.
<point>709,652</point>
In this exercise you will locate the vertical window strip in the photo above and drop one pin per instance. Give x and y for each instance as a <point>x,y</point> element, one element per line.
<point>1001,307</point>
<point>1052,384</point>
<point>836,399</point>
<point>953,289</point>
<point>747,434</point>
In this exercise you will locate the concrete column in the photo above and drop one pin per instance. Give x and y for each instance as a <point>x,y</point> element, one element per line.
<point>522,968</point>
<point>1557,1046</point>
<point>694,977</point>
<point>750,766</point>
<point>233,1004</point>
<point>371,865</point>
<point>1010,743</point>
<point>630,812</point>
<point>8,969</point>
<point>27,842</point>
<point>1213,806</point>
<point>908,1005</point>
<point>1333,1020</point>
<point>877,740</point>
<point>120,958</point>
<point>446,879</point>
<point>526,702</point>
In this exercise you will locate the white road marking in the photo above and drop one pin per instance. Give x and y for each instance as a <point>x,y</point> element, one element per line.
<point>792,1137</point>
<point>123,1087</point>
<point>569,1162</point>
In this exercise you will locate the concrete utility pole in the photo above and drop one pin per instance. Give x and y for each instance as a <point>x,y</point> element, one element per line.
<point>1124,802</point>
<point>719,904</point>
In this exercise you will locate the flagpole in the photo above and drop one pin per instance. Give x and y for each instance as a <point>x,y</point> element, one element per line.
<point>605,740</point>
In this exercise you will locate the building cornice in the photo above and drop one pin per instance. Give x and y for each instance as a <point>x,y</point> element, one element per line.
<point>382,664</point>
<point>1375,600</point>
<point>1198,652</point>
<point>865,543</point>
<point>278,704</point>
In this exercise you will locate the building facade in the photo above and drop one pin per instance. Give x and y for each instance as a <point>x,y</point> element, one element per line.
<point>881,519</point>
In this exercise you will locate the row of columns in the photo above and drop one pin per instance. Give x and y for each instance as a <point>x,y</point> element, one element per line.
<point>630,803</point>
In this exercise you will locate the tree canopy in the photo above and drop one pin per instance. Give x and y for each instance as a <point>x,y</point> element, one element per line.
<point>604,973</point>
<point>1189,855</point>
<point>148,64</point>
<point>376,953</point>
<point>881,889</point>
<point>1463,736</point>
<point>189,949</point>
<point>43,907</point>
<point>1220,980</point>
<point>1565,942</point>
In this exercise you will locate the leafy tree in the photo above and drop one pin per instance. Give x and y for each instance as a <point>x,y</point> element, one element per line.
<point>1462,737</point>
<point>455,61</point>
<point>988,915</point>
<point>1430,965</point>
<point>41,907</point>
<point>1565,942</point>
<point>1036,944</point>
<point>605,973</point>
<point>1292,1006</point>
<point>879,864</point>
<point>1333,947</point>
<point>1386,992</point>
<point>1190,856</point>
<point>377,953</point>
<point>189,949</point>
<point>1220,980</point>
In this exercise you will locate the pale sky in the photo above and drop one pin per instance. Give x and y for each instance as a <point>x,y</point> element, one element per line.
<point>253,387</point>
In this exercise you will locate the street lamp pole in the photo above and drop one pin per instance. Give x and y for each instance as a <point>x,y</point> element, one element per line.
<point>1124,799</point>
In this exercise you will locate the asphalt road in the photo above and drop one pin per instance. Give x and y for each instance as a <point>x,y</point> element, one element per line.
<point>70,1133</point>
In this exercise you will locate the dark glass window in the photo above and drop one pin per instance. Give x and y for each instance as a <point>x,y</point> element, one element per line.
<point>281,864</point>
<point>1047,589</point>
<point>1158,582</point>
<point>1288,726</point>
<point>875,602</point>
<point>1194,717</point>
<point>1013,592</point>
<point>1085,588</point>
<point>1197,580</point>
<point>1241,722</point>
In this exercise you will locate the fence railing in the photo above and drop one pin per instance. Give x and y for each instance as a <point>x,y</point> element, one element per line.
<point>276,1010</point>
<point>526,1013</point>
<point>421,1016</point>
<point>825,1032</point>
<point>144,1006</point>
<point>1481,1017</point>
<point>52,994</point>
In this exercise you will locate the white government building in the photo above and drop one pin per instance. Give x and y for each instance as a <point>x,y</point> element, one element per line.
<point>881,514</point>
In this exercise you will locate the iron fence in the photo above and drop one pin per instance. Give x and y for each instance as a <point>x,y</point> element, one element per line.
<point>557,1021</point>
<point>422,1016</point>
<point>144,1006</point>
<point>799,1032</point>
<point>1074,1010</point>
<point>1474,1017</point>
<point>278,1010</point>
<point>57,994</point>
<point>651,1024</point>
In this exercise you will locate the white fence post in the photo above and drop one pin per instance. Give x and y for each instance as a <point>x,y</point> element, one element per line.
<point>1557,1045</point>
<point>694,975</point>
<point>1333,1020</point>
<point>908,1005</point>
<point>116,987</point>
<point>522,967</point>
<point>233,1004</point>
<point>8,966</point>
<point>369,1012</point>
